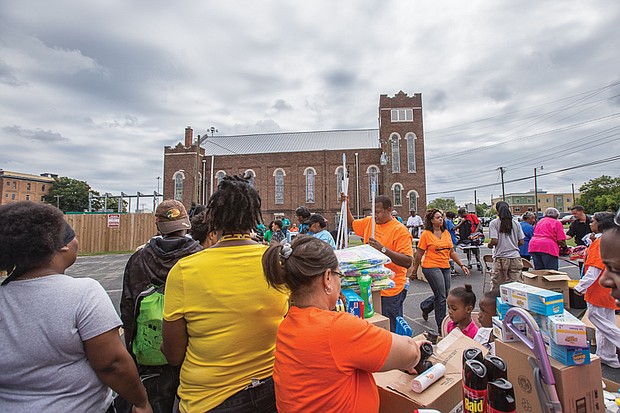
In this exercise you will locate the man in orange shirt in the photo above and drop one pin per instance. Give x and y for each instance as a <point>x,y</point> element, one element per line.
<point>394,240</point>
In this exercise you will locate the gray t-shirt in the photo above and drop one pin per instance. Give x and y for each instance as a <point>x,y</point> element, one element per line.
<point>43,323</point>
<point>507,244</point>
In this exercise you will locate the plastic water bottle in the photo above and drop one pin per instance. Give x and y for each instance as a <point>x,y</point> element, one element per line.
<point>365,282</point>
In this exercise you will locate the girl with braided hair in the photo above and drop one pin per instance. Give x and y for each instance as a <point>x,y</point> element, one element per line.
<point>61,349</point>
<point>325,359</point>
<point>220,316</point>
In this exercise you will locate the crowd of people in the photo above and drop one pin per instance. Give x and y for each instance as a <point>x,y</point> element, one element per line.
<point>247,320</point>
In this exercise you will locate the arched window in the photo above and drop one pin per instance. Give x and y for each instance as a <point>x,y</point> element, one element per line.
<point>219,176</point>
<point>178,178</point>
<point>394,142</point>
<point>250,174</point>
<point>310,174</point>
<point>397,190</point>
<point>279,176</point>
<point>373,181</point>
<point>339,181</point>
<point>411,167</point>
<point>413,200</point>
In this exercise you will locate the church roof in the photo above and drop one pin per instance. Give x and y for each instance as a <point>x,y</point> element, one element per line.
<point>292,142</point>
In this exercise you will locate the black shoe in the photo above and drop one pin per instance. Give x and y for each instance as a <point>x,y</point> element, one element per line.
<point>424,315</point>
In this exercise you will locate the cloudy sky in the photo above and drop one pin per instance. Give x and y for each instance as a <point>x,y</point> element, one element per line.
<point>93,90</point>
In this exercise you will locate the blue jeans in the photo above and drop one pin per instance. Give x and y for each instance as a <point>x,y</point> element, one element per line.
<point>260,399</point>
<point>439,280</point>
<point>392,307</point>
<point>544,261</point>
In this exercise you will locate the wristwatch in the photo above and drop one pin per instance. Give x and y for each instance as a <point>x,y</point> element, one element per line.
<point>383,250</point>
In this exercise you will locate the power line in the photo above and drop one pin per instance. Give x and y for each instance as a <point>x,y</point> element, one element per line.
<point>597,162</point>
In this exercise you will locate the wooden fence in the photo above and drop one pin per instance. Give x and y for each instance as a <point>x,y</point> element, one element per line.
<point>99,233</point>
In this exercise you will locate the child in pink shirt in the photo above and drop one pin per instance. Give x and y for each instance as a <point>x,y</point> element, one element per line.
<point>461,302</point>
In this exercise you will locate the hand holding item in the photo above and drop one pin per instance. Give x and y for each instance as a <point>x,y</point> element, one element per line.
<point>465,270</point>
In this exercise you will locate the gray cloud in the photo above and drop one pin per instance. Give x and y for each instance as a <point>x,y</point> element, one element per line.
<point>281,105</point>
<point>39,135</point>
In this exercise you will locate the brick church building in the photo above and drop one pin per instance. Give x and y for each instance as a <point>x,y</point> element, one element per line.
<point>292,169</point>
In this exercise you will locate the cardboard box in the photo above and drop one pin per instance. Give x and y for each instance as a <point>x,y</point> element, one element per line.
<point>569,356</point>
<point>376,301</point>
<point>501,331</point>
<point>353,303</point>
<point>444,395</point>
<point>566,330</point>
<point>579,387</point>
<point>380,321</point>
<point>532,298</point>
<point>549,280</point>
<point>502,307</point>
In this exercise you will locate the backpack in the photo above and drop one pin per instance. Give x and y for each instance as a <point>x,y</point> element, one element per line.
<point>465,230</point>
<point>148,314</point>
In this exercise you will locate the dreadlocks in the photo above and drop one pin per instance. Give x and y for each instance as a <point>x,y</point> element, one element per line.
<point>234,207</point>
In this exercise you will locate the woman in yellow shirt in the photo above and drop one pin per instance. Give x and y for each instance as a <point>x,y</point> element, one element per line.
<point>220,316</point>
<point>436,246</point>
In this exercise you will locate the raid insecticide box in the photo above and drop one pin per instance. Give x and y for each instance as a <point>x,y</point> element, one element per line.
<point>353,303</point>
<point>532,298</point>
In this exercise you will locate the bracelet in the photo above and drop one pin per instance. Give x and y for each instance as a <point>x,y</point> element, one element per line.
<point>463,265</point>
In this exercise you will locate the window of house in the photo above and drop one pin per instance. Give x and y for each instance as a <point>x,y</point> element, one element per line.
<point>250,174</point>
<point>28,186</point>
<point>219,176</point>
<point>411,153</point>
<point>395,153</point>
<point>517,201</point>
<point>42,187</point>
<point>373,187</point>
<point>8,183</point>
<point>397,189</point>
<point>517,209</point>
<point>12,196</point>
<point>178,185</point>
<point>279,176</point>
<point>567,199</point>
<point>310,173</point>
<point>548,200</point>
<point>413,200</point>
<point>402,115</point>
<point>42,199</point>
<point>27,197</point>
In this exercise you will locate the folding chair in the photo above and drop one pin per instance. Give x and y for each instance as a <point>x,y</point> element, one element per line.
<point>444,323</point>
<point>487,261</point>
<point>527,265</point>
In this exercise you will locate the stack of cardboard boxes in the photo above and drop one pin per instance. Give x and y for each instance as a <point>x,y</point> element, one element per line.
<point>576,371</point>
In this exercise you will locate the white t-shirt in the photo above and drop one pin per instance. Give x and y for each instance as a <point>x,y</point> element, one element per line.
<point>43,323</point>
<point>507,244</point>
<point>413,222</point>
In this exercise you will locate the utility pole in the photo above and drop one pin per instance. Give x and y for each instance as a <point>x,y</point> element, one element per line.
<point>535,193</point>
<point>501,170</point>
<point>573,186</point>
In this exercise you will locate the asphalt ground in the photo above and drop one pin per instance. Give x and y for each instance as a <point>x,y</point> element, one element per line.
<point>108,270</point>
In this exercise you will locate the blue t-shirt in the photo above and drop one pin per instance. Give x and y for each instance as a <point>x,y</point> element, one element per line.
<point>528,230</point>
<point>324,235</point>
<point>450,228</point>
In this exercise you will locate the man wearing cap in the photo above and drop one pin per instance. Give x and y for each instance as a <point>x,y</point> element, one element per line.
<point>149,266</point>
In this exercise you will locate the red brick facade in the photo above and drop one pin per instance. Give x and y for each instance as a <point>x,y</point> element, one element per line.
<point>188,165</point>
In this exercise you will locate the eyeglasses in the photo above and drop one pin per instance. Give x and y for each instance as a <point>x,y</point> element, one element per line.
<point>338,273</point>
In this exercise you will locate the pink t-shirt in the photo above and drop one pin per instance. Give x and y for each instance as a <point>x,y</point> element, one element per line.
<point>547,232</point>
<point>470,331</point>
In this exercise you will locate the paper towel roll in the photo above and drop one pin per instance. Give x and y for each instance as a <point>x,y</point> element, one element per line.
<point>428,377</point>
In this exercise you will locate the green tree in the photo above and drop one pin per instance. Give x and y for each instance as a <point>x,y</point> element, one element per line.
<point>69,194</point>
<point>600,194</point>
<point>482,209</point>
<point>444,204</point>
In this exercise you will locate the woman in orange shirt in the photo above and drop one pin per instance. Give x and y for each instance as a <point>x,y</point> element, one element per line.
<point>436,246</point>
<point>601,305</point>
<point>324,359</point>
